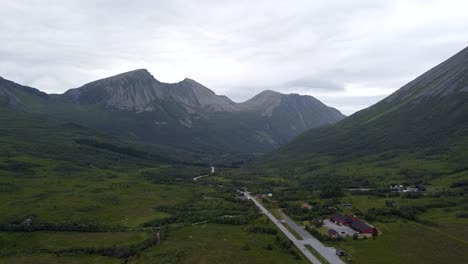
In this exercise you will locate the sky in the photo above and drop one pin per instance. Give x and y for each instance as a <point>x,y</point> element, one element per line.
<point>348,54</point>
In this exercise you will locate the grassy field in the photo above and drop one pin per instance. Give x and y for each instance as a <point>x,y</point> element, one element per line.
<point>51,259</point>
<point>213,243</point>
<point>85,195</point>
<point>49,240</point>
<point>316,254</point>
<point>407,242</point>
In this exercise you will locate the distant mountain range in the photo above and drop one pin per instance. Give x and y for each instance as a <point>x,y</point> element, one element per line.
<point>186,115</point>
<point>421,128</point>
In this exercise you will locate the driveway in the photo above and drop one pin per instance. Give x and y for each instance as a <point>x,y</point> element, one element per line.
<point>344,231</point>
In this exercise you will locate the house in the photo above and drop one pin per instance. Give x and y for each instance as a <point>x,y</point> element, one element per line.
<point>269,194</point>
<point>341,220</point>
<point>340,252</point>
<point>362,227</point>
<point>306,206</point>
<point>332,233</point>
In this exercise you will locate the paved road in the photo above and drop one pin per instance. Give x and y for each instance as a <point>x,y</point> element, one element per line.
<point>201,176</point>
<point>327,253</point>
<point>296,242</point>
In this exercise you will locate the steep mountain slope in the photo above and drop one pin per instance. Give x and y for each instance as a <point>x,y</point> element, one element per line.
<point>14,96</point>
<point>136,106</point>
<point>139,91</point>
<point>421,128</point>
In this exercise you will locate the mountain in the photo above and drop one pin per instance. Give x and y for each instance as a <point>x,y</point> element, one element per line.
<point>139,91</point>
<point>137,107</point>
<point>418,132</point>
<point>14,96</point>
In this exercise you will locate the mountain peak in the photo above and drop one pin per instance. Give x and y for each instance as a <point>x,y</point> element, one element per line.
<point>142,74</point>
<point>133,90</point>
<point>188,80</point>
<point>268,93</point>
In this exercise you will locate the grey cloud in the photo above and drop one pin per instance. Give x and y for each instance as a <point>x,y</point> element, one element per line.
<point>329,49</point>
<point>314,85</point>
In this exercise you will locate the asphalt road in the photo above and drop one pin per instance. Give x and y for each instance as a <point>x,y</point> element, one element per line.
<point>296,242</point>
<point>307,238</point>
<point>327,253</point>
<point>201,176</point>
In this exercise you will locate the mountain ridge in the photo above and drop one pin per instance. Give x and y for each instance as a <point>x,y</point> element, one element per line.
<point>427,119</point>
<point>185,114</point>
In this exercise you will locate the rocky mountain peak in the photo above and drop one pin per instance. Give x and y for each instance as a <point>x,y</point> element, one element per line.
<point>196,95</point>
<point>134,91</point>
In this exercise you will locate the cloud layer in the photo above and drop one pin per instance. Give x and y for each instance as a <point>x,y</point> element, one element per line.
<point>349,54</point>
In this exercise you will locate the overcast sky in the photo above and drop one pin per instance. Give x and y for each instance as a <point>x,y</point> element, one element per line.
<point>349,54</point>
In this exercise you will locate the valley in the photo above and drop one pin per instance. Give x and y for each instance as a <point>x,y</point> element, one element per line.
<point>128,169</point>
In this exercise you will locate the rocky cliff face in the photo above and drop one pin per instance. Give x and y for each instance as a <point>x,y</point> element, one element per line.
<point>132,91</point>
<point>196,96</point>
<point>139,91</point>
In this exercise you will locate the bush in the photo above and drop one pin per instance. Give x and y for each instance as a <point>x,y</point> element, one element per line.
<point>461,183</point>
<point>331,192</point>
<point>462,215</point>
<point>246,247</point>
<point>413,195</point>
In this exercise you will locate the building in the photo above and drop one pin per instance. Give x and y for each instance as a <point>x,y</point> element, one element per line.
<point>306,206</point>
<point>332,233</point>
<point>342,220</point>
<point>362,227</point>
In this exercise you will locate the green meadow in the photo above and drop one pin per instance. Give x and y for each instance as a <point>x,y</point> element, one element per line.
<point>214,243</point>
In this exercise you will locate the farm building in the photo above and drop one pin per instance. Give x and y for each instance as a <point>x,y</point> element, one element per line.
<point>362,227</point>
<point>341,220</point>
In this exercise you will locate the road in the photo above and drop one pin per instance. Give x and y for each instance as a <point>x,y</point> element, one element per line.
<point>201,176</point>
<point>307,239</point>
<point>327,253</point>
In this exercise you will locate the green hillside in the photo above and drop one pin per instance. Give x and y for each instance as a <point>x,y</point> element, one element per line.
<point>414,135</point>
<point>417,136</point>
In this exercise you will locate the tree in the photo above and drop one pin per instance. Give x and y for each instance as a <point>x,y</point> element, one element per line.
<point>375,233</point>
